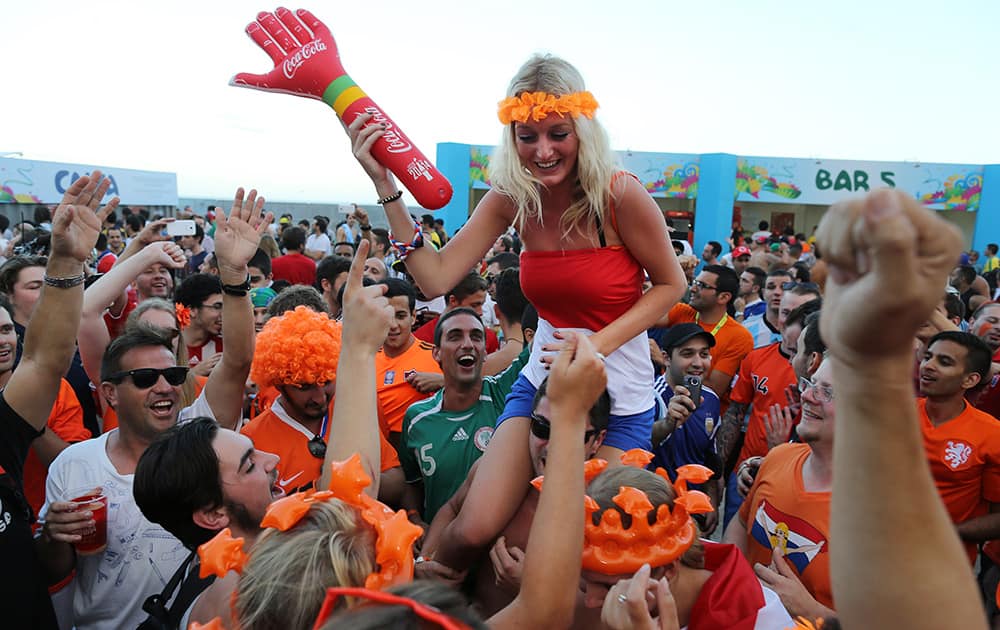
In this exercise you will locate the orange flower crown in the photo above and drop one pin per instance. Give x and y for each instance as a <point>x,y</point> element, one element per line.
<point>611,549</point>
<point>299,347</point>
<point>183,315</point>
<point>537,106</point>
<point>394,533</point>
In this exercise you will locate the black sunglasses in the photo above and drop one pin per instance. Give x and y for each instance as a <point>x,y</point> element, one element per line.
<point>540,427</point>
<point>317,447</point>
<point>144,378</point>
<point>808,286</point>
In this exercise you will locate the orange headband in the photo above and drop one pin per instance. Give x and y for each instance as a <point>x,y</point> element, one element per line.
<point>537,106</point>
<point>611,549</point>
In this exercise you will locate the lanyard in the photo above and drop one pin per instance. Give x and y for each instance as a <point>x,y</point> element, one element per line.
<point>722,322</point>
<point>322,428</point>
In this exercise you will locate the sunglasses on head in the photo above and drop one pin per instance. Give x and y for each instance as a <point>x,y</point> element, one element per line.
<point>144,378</point>
<point>791,284</point>
<point>540,427</point>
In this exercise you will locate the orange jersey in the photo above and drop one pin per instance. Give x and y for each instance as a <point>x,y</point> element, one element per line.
<point>733,342</point>
<point>964,454</point>
<point>778,512</point>
<point>764,375</point>
<point>66,421</point>
<point>274,431</point>
<point>395,395</point>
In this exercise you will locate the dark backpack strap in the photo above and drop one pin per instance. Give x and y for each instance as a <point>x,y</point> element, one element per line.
<point>191,588</point>
<point>156,605</point>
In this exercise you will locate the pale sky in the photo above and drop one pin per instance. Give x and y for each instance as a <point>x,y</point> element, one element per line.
<point>144,84</point>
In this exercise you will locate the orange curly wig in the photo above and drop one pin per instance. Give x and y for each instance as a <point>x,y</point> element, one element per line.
<point>299,347</point>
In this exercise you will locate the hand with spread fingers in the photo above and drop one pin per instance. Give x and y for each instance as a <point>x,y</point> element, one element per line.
<point>77,220</point>
<point>237,236</point>
<point>882,251</point>
<point>627,604</point>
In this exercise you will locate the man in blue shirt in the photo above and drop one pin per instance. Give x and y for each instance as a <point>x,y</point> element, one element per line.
<point>687,434</point>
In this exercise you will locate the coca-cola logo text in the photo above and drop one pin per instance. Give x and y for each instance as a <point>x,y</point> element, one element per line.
<point>294,62</point>
<point>396,141</point>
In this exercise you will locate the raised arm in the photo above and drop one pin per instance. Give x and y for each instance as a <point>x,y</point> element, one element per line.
<point>50,339</point>
<point>436,272</point>
<point>149,234</point>
<point>93,335</point>
<point>354,425</point>
<point>551,575</point>
<point>887,239</point>
<point>236,240</point>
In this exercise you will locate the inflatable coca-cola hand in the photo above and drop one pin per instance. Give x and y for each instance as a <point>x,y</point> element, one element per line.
<point>306,63</point>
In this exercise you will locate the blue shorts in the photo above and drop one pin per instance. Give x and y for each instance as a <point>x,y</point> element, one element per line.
<point>624,432</point>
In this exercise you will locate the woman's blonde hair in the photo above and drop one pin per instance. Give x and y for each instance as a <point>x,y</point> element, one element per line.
<point>284,582</point>
<point>188,390</point>
<point>608,484</point>
<point>596,163</point>
<point>269,245</point>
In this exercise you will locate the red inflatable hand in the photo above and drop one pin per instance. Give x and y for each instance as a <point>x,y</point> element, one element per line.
<point>306,63</point>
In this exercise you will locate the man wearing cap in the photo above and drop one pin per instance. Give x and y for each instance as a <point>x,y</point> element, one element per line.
<point>687,434</point>
<point>741,259</point>
<point>261,297</point>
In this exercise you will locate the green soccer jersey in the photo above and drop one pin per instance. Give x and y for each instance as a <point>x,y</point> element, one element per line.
<point>439,447</point>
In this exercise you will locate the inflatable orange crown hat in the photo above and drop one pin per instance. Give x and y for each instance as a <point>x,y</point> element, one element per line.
<point>612,549</point>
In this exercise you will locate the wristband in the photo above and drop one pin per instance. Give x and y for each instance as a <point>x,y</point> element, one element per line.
<point>237,290</point>
<point>390,198</point>
<point>64,283</point>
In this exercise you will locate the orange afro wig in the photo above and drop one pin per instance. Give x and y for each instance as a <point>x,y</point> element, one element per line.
<point>300,347</point>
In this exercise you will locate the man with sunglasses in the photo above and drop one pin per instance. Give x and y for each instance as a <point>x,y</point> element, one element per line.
<point>762,383</point>
<point>444,435</point>
<point>783,527</point>
<point>497,582</point>
<point>142,382</point>
<point>27,399</point>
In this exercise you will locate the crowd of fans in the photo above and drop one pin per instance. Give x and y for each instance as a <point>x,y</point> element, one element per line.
<point>327,413</point>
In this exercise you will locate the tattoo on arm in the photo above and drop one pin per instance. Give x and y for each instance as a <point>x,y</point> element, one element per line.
<point>729,432</point>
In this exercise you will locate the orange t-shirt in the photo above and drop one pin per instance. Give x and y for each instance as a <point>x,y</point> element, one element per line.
<point>395,395</point>
<point>733,342</point>
<point>110,416</point>
<point>779,512</point>
<point>274,431</point>
<point>764,374</point>
<point>964,454</point>
<point>66,421</point>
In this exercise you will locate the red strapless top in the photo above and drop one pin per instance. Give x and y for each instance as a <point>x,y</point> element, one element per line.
<point>581,288</point>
